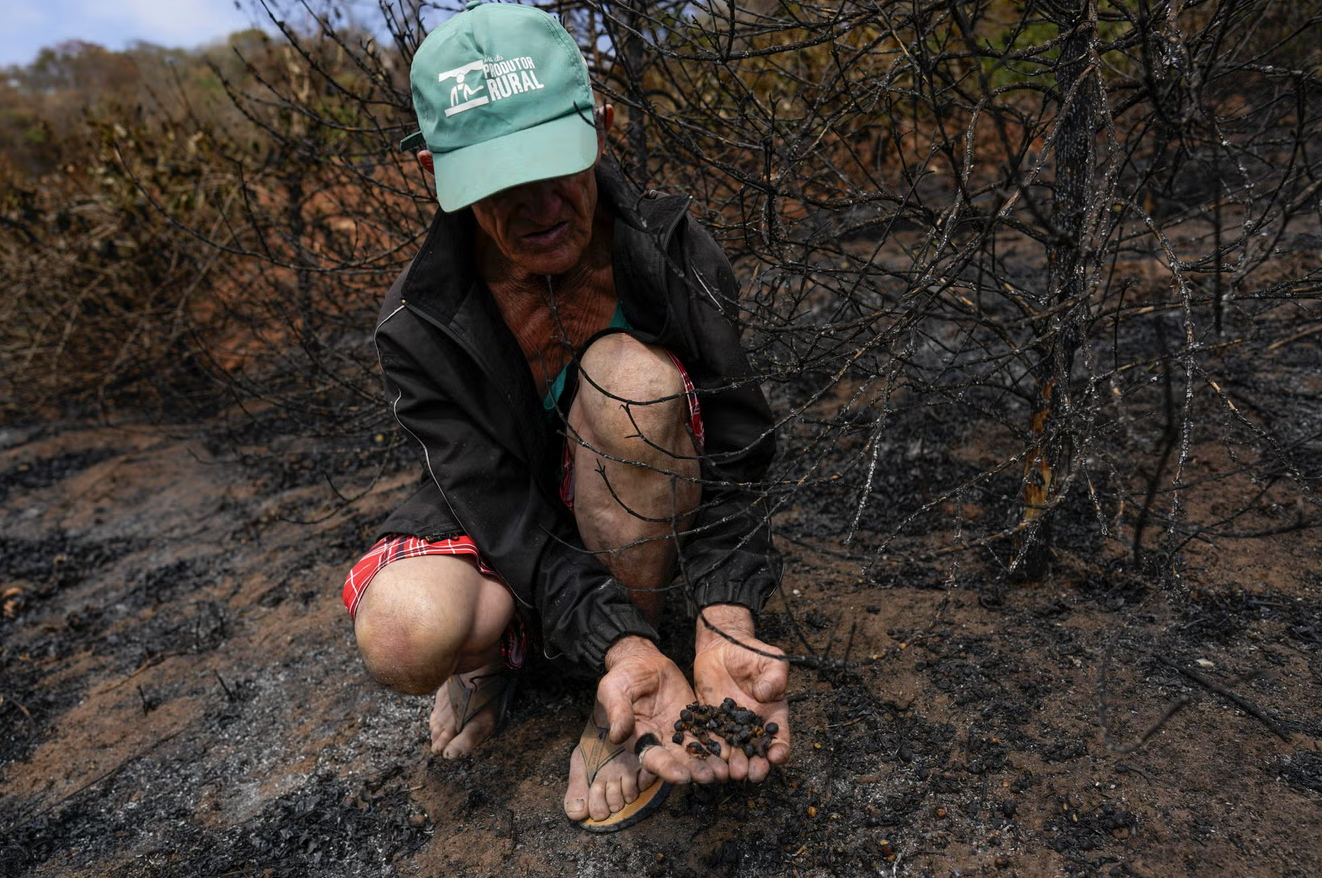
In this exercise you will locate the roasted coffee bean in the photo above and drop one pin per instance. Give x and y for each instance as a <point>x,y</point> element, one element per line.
<point>741,727</point>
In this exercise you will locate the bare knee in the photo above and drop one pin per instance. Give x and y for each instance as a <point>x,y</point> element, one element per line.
<point>404,644</point>
<point>421,620</point>
<point>627,390</point>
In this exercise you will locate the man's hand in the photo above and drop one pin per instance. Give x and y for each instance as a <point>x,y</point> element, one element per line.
<point>643,692</point>
<point>722,669</point>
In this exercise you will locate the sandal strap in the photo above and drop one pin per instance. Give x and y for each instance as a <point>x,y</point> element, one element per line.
<point>495,687</point>
<point>597,748</point>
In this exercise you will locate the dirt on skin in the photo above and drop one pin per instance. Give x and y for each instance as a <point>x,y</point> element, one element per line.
<point>182,697</point>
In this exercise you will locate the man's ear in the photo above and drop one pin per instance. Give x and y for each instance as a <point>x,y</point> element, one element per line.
<point>424,159</point>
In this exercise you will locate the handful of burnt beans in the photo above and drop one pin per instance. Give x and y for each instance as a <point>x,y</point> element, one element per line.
<point>737,725</point>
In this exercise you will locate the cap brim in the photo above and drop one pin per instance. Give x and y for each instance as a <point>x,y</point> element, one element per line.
<point>553,149</point>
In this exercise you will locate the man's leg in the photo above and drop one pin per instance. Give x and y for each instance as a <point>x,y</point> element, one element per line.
<point>635,488</point>
<point>635,467</point>
<point>424,619</point>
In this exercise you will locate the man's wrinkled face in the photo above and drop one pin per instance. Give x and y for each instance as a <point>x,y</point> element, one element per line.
<point>542,227</point>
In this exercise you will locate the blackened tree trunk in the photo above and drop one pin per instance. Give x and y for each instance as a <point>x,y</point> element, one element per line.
<point>1058,331</point>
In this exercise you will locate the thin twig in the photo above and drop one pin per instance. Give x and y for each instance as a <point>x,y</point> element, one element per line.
<point>1238,700</point>
<point>806,661</point>
<point>1176,706</point>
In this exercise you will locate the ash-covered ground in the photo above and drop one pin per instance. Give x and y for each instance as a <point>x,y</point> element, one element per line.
<point>181,695</point>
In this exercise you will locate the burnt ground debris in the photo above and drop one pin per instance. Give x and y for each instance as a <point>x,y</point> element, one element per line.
<point>181,694</point>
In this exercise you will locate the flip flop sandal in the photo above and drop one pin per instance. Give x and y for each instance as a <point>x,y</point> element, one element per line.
<point>597,751</point>
<point>481,691</point>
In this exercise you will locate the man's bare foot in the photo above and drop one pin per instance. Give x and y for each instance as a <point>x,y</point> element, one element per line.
<point>485,704</point>
<point>617,783</point>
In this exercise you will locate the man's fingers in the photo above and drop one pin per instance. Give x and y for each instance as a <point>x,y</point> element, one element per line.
<point>778,751</point>
<point>644,741</point>
<point>617,707</point>
<point>770,686</point>
<point>738,764</point>
<point>771,681</point>
<point>619,715</point>
<point>707,770</point>
<point>758,769</point>
<point>661,762</point>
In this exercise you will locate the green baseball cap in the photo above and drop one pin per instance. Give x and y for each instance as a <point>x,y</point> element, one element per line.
<point>503,98</point>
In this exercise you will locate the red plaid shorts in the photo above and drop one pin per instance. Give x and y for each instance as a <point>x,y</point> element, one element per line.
<point>395,548</point>
<point>514,645</point>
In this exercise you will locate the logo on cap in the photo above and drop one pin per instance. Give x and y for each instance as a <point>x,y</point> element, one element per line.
<point>501,78</point>
<point>462,95</point>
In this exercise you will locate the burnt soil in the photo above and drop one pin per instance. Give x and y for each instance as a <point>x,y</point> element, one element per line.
<point>181,696</point>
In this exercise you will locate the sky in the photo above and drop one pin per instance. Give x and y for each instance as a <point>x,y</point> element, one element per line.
<point>27,26</point>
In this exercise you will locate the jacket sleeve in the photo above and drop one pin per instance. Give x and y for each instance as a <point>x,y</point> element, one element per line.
<point>492,493</point>
<point>729,557</point>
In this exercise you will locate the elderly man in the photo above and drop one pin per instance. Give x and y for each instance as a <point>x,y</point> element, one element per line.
<point>589,430</point>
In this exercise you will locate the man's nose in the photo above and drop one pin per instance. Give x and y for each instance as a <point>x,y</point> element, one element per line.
<point>542,200</point>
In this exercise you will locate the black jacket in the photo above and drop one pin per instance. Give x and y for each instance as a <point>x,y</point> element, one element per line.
<point>459,384</point>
